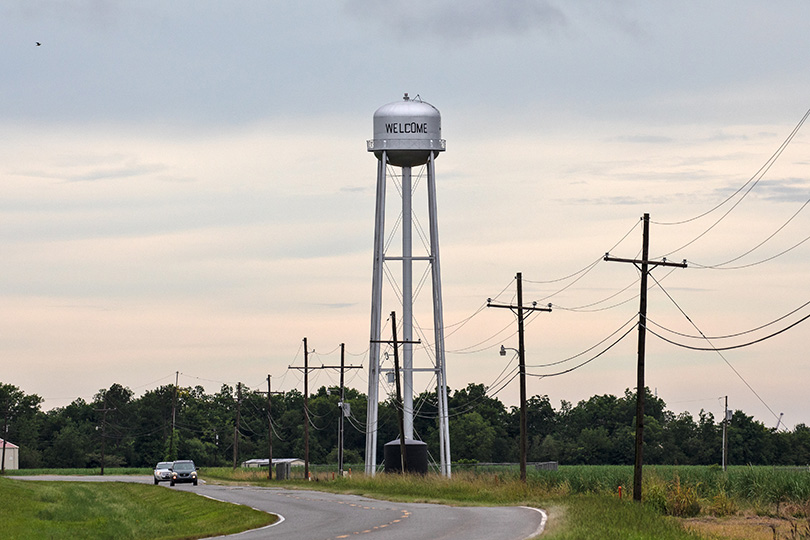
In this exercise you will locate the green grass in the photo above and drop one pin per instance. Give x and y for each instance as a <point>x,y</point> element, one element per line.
<point>116,510</point>
<point>80,472</point>
<point>601,517</point>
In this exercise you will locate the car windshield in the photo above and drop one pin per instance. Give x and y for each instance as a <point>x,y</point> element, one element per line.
<point>164,465</point>
<point>183,467</point>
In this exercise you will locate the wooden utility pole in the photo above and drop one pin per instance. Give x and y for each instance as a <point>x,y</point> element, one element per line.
<point>725,436</point>
<point>306,369</point>
<point>5,440</point>
<point>105,410</point>
<point>400,406</point>
<point>519,311</point>
<point>643,265</point>
<point>342,410</point>
<point>236,426</point>
<point>173,443</point>
<point>306,411</point>
<point>269,428</point>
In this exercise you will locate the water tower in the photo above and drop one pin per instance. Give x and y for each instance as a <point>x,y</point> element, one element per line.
<point>407,134</point>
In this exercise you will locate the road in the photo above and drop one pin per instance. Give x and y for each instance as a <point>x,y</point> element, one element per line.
<point>315,515</point>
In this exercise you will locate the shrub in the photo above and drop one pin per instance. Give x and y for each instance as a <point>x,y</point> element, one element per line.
<point>682,501</point>
<point>722,505</point>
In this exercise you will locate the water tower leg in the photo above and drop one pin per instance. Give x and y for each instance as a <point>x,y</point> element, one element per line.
<point>407,302</point>
<point>376,318</point>
<point>438,323</point>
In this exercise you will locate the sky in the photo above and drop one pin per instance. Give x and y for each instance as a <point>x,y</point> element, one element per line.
<point>185,188</point>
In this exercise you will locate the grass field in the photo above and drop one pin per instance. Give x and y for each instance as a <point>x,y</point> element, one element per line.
<point>115,510</point>
<point>79,472</point>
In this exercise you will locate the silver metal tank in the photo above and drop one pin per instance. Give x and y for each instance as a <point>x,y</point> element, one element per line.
<point>408,131</point>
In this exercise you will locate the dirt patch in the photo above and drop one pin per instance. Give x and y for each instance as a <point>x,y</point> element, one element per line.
<point>750,527</point>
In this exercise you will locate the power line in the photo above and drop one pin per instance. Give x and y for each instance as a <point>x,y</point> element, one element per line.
<point>588,361</point>
<point>717,350</point>
<point>736,334</point>
<point>758,176</point>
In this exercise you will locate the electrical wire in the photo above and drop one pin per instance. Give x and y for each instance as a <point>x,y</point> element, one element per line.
<point>558,362</point>
<point>736,334</point>
<point>569,370</point>
<point>758,176</point>
<point>700,266</point>
<point>719,349</point>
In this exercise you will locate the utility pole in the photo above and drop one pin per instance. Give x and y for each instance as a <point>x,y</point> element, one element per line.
<point>342,411</point>
<point>269,428</point>
<point>519,311</point>
<point>5,439</point>
<point>173,445</point>
<point>400,406</point>
<point>236,426</point>
<point>644,267</point>
<point>306,369</point>
<point>105,410</point>
<point>725,436</point>
<point>306,411</point>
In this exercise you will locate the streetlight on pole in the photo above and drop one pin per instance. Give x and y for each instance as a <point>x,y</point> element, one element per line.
<point>519,311</point>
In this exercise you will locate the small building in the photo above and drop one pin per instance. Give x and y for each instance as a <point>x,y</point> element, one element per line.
<point>294,462</point>
<point>12,455</point>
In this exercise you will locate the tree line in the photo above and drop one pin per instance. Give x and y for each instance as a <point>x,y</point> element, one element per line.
<point>187,423</point>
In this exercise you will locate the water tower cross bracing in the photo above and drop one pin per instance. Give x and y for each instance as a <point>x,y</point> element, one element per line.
<point>407,134</point>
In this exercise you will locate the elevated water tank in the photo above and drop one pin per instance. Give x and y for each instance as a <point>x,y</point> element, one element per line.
<point>408,131</point>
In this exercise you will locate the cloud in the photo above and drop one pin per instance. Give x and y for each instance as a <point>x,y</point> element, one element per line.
<point>460,20</point>
<point>646,139</point>
<point>784,190</point>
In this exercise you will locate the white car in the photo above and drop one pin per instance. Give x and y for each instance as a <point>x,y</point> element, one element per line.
<point>163,472</point>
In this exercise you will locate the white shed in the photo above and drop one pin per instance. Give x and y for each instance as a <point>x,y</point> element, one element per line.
<point>12,454</point>
<point>294,462</point>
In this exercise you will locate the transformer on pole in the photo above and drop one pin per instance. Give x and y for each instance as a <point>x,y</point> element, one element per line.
<point>407,134</point>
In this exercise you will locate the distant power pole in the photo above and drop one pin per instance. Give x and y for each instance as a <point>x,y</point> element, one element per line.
<point>306,369</point>
<point>173,444</point>
<point>236,426</point>
<point>105,410</point>
<point>342,406</point>
<point>521,317</point>
<point>5,439</point>
<point>269,429</point>
<point>725,435</point>
<point>644,267</point>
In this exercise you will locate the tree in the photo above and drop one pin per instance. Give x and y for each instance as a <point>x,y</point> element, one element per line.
<point>20,419</point>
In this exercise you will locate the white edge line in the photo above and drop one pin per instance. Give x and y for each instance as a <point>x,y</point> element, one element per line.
<point>278,522</point>
<point>543,520</point>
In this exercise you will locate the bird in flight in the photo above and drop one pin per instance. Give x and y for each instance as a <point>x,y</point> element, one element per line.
<point>38,43</point>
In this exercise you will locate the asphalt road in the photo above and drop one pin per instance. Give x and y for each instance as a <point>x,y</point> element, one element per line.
<point>315,515</point>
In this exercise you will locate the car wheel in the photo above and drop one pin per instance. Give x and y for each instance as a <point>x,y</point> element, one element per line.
<point>171,483</point>
<point>156,481</point>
